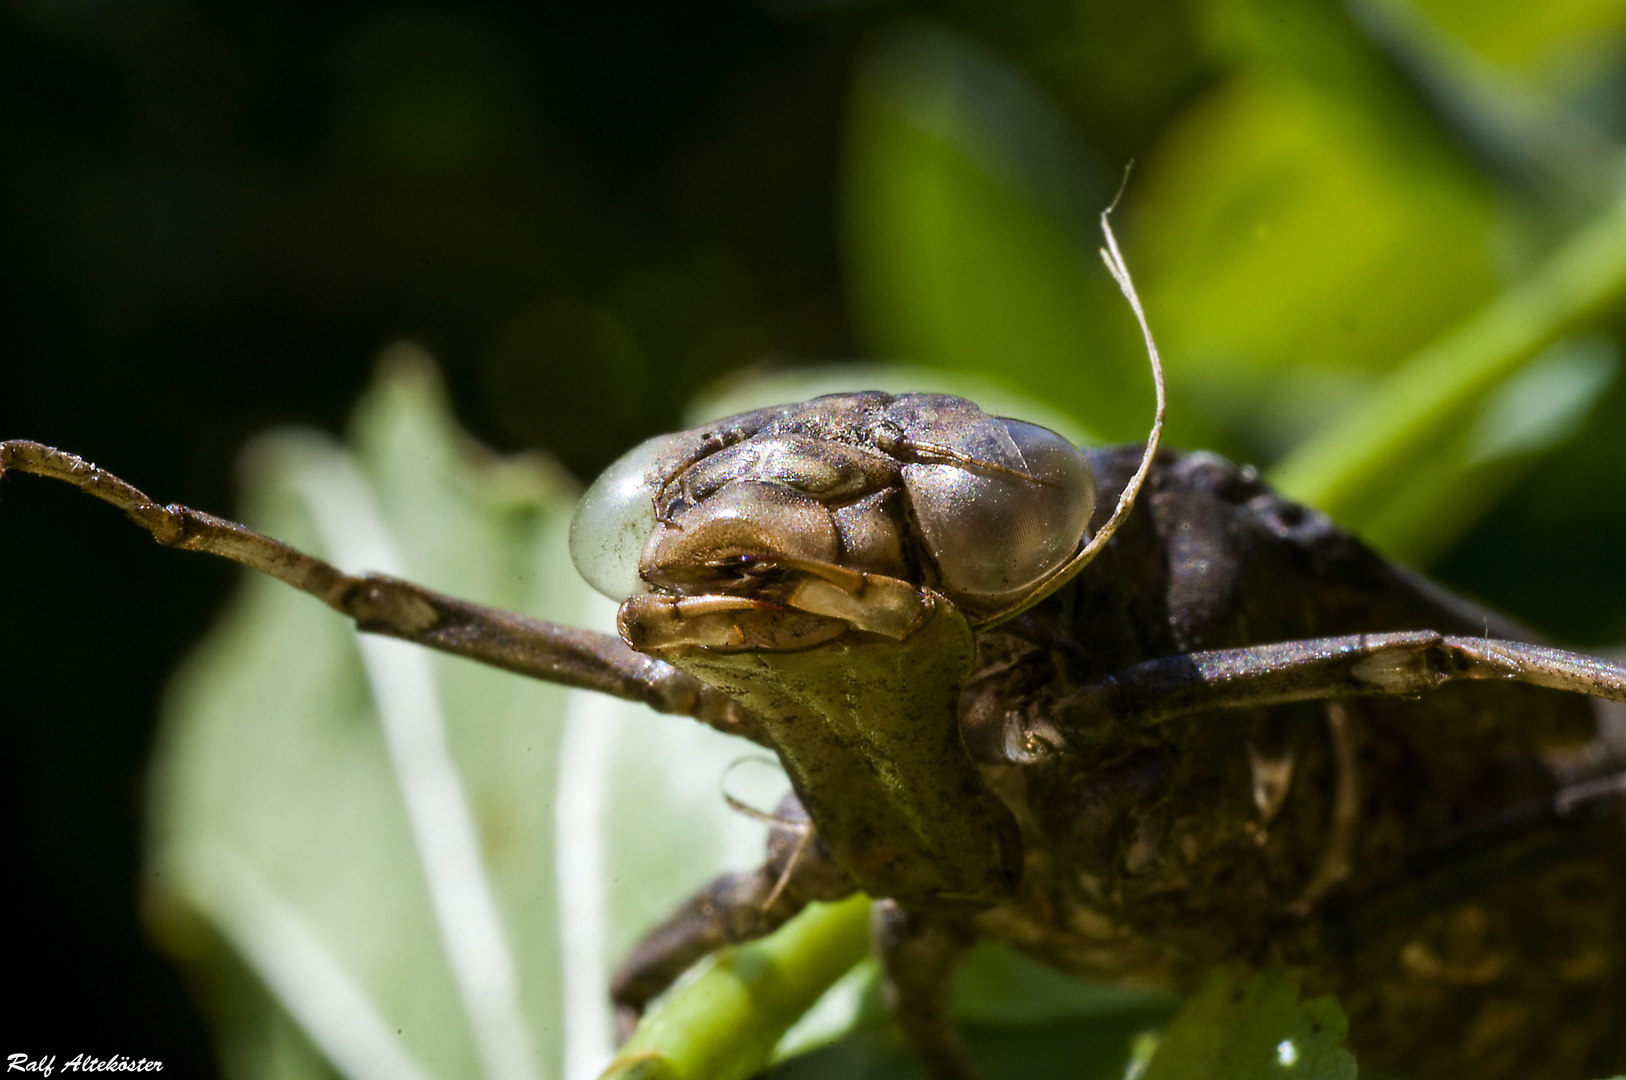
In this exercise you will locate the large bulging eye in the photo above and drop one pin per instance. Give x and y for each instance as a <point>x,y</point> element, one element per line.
<point>994,533</point>
<point>617,515</point>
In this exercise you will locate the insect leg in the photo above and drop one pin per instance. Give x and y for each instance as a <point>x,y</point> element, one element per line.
<point>1407,663</point>
<point>918,954</point>
<point>1336,864</point>
<point>384,605</point>
<point>732,908</point>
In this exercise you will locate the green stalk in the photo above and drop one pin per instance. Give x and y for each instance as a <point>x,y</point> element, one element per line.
<point>1350,464</point>
<point>725,1024</point>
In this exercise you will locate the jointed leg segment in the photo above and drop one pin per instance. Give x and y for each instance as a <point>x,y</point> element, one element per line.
<point>919,954</point>
<point>1359,665</point>
<point>384,605</point>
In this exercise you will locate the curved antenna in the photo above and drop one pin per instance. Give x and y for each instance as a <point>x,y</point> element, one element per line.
<point>1114,259</point>
<point>746,810</point>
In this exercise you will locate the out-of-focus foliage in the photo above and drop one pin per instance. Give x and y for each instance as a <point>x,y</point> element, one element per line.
<point>1330,208</point>
<point>1241,1026</point>
<point>1349,221</point>
<point>1559,45</point>
<point>970,219</point>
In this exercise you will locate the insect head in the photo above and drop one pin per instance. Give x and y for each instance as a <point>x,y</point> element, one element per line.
<point>790,505</point>
<point>822,563</point>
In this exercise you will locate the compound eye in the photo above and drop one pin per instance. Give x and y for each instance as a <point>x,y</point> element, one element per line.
<point>995,533</point>
<point>617,515</point>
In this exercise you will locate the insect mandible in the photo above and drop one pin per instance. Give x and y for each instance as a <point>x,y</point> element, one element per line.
<point>1169,762</point>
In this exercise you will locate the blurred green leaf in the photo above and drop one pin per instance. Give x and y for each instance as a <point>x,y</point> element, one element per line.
<point>1528,138</point>
<point>1421,417</point>
<point>1240,1026</point>
<point>971,233</point>
<point>725,1023</point>
<point>1470,465</point>
<point>997,985</point>
<point>1308,227</point>
<point>1288,251</point>
<point>1554,40</point>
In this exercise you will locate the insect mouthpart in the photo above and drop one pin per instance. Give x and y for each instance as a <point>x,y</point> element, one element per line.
<point>784,604</point>
<point>761,564</point>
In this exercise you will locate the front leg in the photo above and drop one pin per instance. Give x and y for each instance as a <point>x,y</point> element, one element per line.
<point>385,605</point>
<point>1405,664</point>
<point>919,954</point>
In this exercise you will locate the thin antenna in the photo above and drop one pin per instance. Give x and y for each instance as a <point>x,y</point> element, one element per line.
<point>779,886</point>
<point>1113,257</point>
<point>746,810</point>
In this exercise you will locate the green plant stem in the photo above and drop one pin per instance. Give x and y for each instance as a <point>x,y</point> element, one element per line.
<point>1348,465</point>
<point>725,1024</point>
